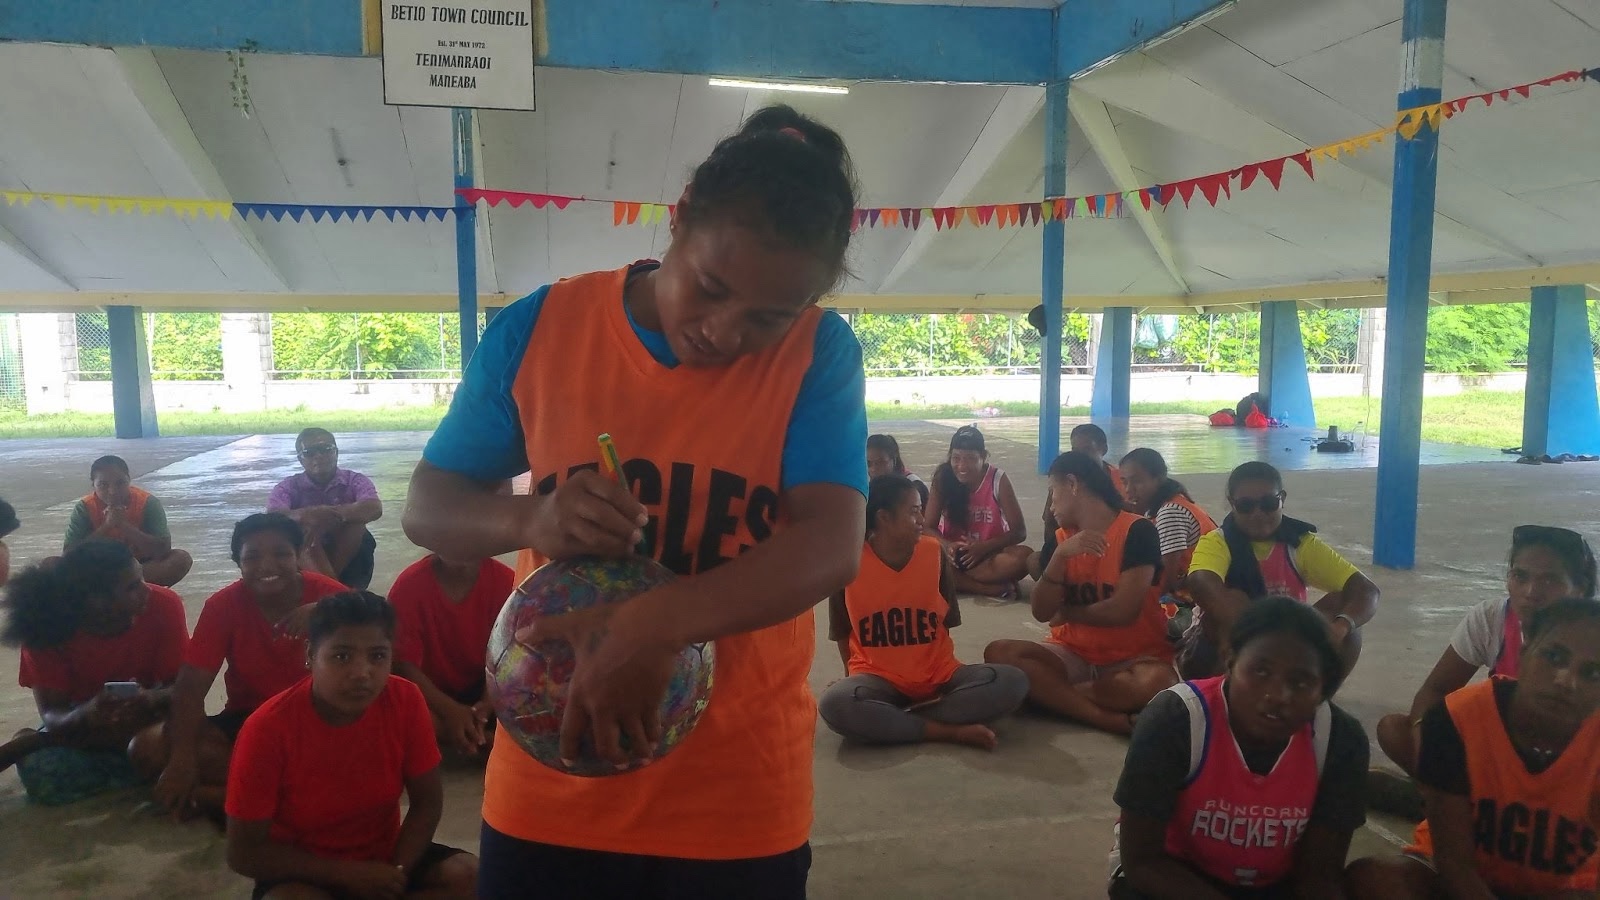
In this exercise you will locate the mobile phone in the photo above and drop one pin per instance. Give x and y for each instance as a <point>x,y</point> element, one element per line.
<point>122,689</point>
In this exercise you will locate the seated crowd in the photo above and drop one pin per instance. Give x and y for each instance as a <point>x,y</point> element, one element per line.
<point>1217,648</point>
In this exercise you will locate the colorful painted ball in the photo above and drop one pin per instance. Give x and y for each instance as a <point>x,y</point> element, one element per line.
<point>527,684</point>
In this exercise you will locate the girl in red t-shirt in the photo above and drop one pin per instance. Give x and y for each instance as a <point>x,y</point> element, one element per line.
<point>100,649</point>
<point>314,788</point>
<point>257,626</point>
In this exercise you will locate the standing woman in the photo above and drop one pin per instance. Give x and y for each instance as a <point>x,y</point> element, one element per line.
<point>738,406</point>
<point>1108,652</point>
<point>883,458</point>
<point>100,649</point>
<point>1510,775</point>
<point>893,625</point>
<point>973,510</point>
<point>1180,522</point>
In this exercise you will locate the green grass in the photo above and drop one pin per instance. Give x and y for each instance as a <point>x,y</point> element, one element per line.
<point>1475,418</point>
<point>186,424</point>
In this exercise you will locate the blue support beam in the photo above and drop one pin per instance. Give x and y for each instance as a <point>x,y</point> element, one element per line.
<point>314,27</point>
<point>466,233</point>
<point>1283,378</point>
<point>1416,169</point>
<point>1052,278</point>
<point>780,39</point>
<point>1561,413</point>
<point>1091,33</point>
<point>1113,365</point>
<point>133,399</point>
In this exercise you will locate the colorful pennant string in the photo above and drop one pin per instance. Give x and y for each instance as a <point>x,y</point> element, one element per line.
<point>1212,188</point>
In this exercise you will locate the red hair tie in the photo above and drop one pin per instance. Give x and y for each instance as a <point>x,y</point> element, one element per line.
<point>793,132</point>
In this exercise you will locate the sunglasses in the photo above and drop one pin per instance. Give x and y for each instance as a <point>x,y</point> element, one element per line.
<point>1550,536</point>
<point>319,450</point>
<point>1248,505</point>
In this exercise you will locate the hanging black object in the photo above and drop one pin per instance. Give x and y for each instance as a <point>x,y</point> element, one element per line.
<point>1037,320</point>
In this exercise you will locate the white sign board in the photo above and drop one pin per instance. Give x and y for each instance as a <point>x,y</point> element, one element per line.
<point>476,55</point>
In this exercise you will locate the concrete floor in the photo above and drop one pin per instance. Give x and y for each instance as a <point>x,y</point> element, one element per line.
<point>1032,819</point>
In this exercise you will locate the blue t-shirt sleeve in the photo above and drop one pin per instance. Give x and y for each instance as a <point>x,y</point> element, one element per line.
<point>827,437</point>
<point>481,435</point>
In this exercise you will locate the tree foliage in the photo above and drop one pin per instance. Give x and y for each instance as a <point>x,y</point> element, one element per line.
<point>185,346</point>
<point>958,344</point>
<point>1477,338</point>
<point>369,345</point>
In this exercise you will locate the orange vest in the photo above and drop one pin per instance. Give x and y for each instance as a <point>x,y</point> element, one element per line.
<point>1532,834</point>
<point>1207,525</point>
<point>1091,579</point>
<point>703,450</point>
<point>1116,479</point>
<point>136,502</point>
<point>897,622</point>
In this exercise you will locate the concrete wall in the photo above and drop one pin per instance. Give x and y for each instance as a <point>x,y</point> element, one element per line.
<point>212,396</point>
<point>209,396</point>
<point>1147,387</point>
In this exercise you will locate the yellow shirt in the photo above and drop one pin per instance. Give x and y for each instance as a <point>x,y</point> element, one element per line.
<point>1320,565</point>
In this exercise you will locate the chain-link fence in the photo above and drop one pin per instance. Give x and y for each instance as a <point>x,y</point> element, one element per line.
<point>326,346</point>
<point>366,345</point>
<point>13,395</point>
<point>960,344</point>
<point>420,352</point>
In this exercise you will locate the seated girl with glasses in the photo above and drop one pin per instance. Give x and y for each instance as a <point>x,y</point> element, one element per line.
<point>1259,552</point>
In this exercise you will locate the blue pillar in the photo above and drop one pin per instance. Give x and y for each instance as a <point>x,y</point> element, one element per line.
<point>1283,378</point>
<point>133,399</point>
<point>466,234</point>
<point>1052,287</point>
<point>1416,168</point>
<point>1560,413</point>
<point>1113,365</point>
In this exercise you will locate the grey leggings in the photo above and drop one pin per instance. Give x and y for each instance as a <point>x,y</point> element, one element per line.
<point>869,709</point>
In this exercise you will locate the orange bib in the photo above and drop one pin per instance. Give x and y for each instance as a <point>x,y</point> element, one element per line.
<point>1091,579</point>
<point>703,450</point>
<point>897,622</point>
<point>1207,525</point>
<point>1531,834</point>
<point>136,501</point>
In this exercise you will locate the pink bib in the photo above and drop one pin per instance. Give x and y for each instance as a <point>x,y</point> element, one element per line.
<point>1236,826</point>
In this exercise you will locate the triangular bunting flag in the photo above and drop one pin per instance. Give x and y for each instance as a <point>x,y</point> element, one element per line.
<point>917,216</point>
<point>1247,175</point>
<point>1304,161</point>
<point>1273,170</point>
<point>619,211</point>
<point>872,217</point>
<point>891,217</point>
<point>1186,191</point>
<point>985,214</point>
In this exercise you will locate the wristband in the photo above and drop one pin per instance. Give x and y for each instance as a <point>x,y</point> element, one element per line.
<point>1351,622</point>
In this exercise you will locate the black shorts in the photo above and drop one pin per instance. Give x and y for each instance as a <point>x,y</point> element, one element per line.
<point>229,721</point>
<point>431,857</point>
<point>357,574</point>
<point>507,866</point>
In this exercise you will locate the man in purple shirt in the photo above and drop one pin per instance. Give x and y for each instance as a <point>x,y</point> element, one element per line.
<point>334,507</point>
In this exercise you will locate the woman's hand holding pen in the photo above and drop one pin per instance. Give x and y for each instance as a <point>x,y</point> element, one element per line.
<point>588,515</point>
